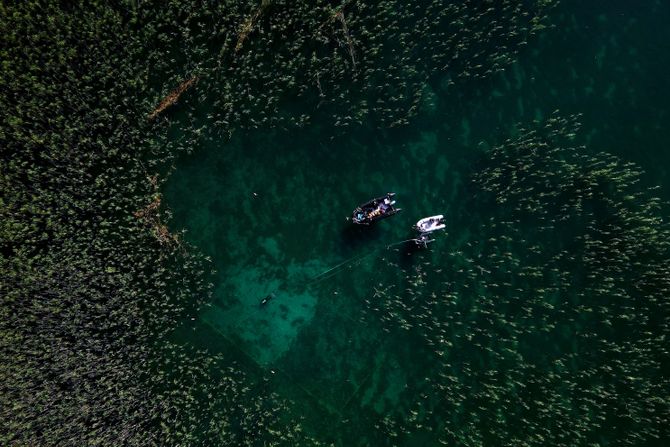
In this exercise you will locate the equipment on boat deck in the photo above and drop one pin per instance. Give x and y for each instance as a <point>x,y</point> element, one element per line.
<point>375,209</point>
<point>426,226</point>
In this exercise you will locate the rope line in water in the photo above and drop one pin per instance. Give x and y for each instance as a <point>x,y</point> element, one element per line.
<point>332,271</point>
<point>318,278</point>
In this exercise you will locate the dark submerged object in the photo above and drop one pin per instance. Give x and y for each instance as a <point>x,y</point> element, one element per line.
<point>265,300</point>
<point>423,240</point>
<point>375,209</point>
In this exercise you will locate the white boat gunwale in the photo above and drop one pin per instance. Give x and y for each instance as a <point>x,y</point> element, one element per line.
<point>430,224</point>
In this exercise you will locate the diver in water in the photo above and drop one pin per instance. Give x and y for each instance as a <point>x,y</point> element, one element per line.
<point>265,300</point>
<point>423,240</point>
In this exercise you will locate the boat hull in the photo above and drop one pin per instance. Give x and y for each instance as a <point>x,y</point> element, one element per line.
<point>430,224</point>
<point>376,209</point>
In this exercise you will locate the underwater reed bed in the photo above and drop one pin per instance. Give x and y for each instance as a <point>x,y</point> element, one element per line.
<point>95,285</point>
<point>545,325</point>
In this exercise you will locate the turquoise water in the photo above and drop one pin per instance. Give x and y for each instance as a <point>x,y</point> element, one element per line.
<point>527,321</point>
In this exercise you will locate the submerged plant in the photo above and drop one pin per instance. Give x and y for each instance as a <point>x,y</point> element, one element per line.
<point>548,326</point>
<point>93,286</point>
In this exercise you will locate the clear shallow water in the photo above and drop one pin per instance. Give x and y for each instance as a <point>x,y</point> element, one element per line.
<point>355,352</point>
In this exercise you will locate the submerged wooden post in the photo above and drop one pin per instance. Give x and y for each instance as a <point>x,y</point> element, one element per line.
<point>172,98</point>
<point>249,24</point>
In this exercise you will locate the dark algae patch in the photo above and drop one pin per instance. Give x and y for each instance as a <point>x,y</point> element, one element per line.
<point>176,262</point>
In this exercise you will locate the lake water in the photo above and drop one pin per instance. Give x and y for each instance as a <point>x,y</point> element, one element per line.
<point>463,343</point>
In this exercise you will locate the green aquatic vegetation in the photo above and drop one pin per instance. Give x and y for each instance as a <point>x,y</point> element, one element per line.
<point>101,303</point>
<point>286,63</point>
<point>547,326</point>
<point>92,286</point>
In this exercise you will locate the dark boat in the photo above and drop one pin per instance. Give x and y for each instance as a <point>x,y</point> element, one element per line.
<point>375,209</point>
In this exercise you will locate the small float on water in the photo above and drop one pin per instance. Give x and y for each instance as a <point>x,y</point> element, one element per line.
<point>375,209</point>
<point>426,226</point>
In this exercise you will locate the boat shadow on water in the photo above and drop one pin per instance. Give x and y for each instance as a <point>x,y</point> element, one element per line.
<point>408,254</point>
<point>356,237</point>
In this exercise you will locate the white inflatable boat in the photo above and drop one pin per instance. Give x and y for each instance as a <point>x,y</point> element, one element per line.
<point>430,224</point>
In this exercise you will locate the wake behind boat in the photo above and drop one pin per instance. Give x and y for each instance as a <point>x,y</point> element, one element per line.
<point>375,209</point>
